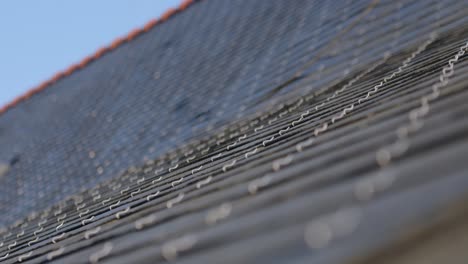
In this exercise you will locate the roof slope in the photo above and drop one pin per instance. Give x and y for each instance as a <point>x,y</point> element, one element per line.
<point>245,132</point>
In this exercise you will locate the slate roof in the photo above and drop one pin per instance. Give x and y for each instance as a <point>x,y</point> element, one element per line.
<point>247,132</point>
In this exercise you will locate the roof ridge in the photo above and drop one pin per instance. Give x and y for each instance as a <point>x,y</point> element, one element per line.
<point>97,54</point>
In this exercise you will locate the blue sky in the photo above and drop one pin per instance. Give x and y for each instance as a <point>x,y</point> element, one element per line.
<point>40,38</point>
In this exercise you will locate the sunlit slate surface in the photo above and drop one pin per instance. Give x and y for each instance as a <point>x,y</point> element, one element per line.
<point>247,132</point>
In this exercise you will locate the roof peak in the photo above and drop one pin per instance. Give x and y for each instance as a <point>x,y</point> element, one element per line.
<point>97,54</point>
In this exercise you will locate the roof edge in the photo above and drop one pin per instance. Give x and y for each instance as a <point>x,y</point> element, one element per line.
<point>97,54</point>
